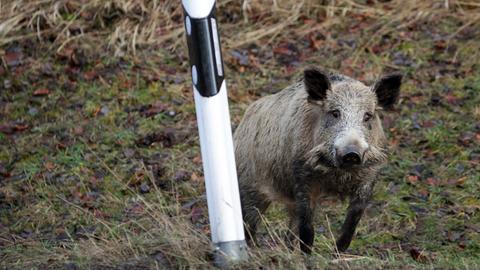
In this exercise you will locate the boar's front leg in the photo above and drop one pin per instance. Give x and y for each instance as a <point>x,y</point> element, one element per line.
<point>354,213</point>
<point>304,213</point>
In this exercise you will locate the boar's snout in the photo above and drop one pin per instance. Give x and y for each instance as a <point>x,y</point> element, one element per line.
<point>350,156</point>
<point>350,148</point>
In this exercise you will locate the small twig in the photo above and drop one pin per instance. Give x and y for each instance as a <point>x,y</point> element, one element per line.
<point>349,258</point>
<point>337,253</point>
<point>474,20</point>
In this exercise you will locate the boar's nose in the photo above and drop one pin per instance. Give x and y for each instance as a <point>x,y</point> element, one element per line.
<point>351,156</point>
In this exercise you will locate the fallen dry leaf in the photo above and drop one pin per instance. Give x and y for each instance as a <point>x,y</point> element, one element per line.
<point>432,181</point>
<point>197,159</point>
<point>7,129</point>
<point>49,165</point>
<point>196,214</point>
<point>460,181</point>
<point>412,179</point>
<point>41,92</point>
<point>13,59</point>
<point>181,176</point>
<point>195,178</point>
<point>417,255</point>
<point>90,75</point>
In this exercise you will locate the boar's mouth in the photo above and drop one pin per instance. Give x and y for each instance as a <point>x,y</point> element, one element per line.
<point>318,158</point>
<point>324,160</point>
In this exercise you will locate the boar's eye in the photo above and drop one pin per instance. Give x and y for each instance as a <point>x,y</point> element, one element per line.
<point>367,117</point>
<point>334,113</point>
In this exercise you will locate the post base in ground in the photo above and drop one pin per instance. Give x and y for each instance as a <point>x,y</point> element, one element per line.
<point>230,253</point>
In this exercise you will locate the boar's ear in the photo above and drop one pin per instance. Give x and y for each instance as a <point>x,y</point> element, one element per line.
<point>387,89</point>
<point>316,83</point>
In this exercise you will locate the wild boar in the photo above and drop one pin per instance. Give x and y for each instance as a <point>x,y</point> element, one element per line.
<point>321,136</point>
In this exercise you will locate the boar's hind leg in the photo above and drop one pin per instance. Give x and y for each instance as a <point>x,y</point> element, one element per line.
<point>354,213</point>
<point>254,204</point>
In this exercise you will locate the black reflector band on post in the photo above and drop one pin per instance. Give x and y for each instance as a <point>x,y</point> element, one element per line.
<point>205,54</point>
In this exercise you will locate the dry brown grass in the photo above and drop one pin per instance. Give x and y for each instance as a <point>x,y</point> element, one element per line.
<point>125,26</point>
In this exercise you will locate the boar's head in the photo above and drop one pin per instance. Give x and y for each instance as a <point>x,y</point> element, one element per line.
<point>346,121</point>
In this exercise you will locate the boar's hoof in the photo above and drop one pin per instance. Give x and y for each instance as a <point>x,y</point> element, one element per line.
<point>342,245</point>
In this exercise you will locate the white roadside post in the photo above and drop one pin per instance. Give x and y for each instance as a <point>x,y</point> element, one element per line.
<point>211,104</point>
